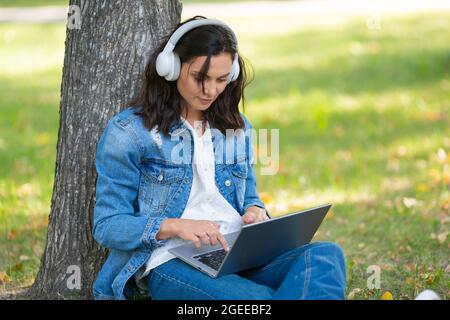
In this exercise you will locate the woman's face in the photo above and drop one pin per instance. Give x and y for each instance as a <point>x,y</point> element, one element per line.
<point>190,89</point>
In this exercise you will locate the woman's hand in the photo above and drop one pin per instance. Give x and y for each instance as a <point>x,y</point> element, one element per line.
<point>199,231</point>
<point>254,214</point>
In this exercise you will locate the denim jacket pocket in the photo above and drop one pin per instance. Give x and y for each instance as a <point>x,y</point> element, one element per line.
<point>161,182</point>
<point>239,172</point>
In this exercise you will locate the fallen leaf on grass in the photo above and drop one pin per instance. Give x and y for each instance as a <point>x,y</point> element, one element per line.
<point>42,139</point>
<point>352,293</point>
<point>446,177</point>
<point>17,267</point>
<point>410,202</point>
<point>368,294</point>
<point>445,205</point>
<point>37,250</point>
<point>410,266</point>
<point>387,296</point>
<point>410,281</point>
<point>442,155</point>
<point>442,237</point>
<point>447,139</point>
<point>432,116</point>
<point>362,227</point>
<point>13,234</point>
<point>421,187</point>
<point>265,197</point>
<point>338,131</point>
<point>430,279</point>
<point>402,151</point>
<point>435,176</point>
<point>24,190</point>
<point>4,278</point>
<point>388,266</point>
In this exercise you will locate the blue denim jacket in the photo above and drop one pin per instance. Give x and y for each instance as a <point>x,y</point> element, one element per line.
<point>145,177</point>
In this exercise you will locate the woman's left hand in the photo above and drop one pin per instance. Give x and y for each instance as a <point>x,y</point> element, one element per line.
<point>254,214</point>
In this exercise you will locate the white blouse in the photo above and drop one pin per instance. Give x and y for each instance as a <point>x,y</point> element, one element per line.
<point>205,201</point>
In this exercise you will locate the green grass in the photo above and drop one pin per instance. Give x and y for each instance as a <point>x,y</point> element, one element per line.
<point>362,117</point>
<point>364,124</point>
<point>29,99</point>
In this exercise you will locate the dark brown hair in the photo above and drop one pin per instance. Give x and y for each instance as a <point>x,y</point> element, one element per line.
<point>160,99</point>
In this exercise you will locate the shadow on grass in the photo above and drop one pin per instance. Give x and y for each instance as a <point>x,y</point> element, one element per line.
<point>354,75</point>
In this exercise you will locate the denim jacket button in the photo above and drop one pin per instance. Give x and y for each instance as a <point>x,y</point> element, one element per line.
<point>160,177</point>
<point>227,183</point>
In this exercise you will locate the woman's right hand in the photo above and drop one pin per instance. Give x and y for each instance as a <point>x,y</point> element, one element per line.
<point>199,231</point>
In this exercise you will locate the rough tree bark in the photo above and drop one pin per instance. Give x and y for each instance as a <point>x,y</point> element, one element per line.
<point>104,59</point>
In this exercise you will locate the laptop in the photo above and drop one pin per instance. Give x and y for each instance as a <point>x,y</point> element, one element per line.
<point>254,244</point>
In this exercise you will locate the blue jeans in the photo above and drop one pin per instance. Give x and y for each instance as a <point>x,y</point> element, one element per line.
<point>314,271</point>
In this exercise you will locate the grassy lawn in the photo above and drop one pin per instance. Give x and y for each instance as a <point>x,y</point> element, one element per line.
<point>29,100</point>
<point>364,124</point>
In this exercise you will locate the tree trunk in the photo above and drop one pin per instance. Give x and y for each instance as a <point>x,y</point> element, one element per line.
<point>105,57</point>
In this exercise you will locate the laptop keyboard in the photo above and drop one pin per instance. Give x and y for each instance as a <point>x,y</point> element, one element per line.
<point>212,259</point>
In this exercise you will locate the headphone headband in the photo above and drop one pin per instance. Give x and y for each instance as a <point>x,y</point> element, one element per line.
<point>192,25</point>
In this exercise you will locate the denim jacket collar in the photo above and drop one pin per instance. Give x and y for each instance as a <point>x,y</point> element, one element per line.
<point>177,127</point>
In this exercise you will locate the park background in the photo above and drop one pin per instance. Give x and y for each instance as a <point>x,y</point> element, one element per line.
<point>361,96</point>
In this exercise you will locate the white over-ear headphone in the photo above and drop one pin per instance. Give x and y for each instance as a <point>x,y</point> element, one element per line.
<point>168,62</point>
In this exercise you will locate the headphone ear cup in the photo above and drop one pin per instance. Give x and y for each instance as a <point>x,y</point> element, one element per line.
<point>168,65</point>
<point>176,66</point>
<point>163,64</point>
<point>234,74</point>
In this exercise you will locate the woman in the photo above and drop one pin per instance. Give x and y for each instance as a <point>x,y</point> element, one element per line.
<point>166,176</point>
